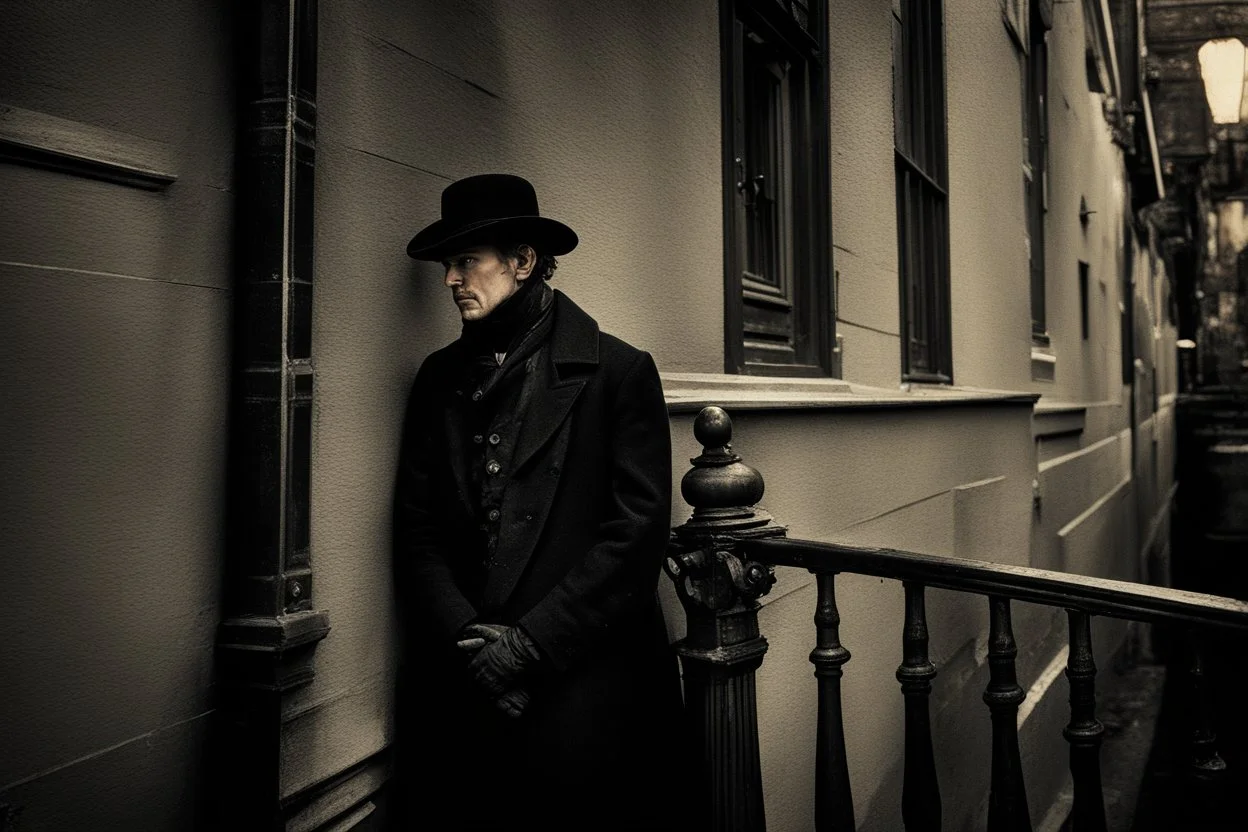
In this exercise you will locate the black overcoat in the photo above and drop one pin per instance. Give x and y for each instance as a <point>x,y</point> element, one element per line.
<point>584,520</point>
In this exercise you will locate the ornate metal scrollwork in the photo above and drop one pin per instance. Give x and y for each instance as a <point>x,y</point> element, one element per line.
<point>717,579</point>
<point>704,561</point>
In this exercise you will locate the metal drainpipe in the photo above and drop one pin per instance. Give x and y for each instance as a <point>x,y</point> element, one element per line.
<point>266,642</point>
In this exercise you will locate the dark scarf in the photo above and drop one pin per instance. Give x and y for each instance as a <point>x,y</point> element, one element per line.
<point>514,330</point>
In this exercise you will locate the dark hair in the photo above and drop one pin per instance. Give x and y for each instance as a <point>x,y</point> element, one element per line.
<point>545,266</point>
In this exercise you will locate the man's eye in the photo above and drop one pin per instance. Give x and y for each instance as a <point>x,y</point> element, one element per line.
<point>467,262</point>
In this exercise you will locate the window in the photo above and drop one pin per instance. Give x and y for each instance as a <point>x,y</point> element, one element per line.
<point>1084,300</point>
<point>922,189</point>
<point>1035,96</point>
<point>1097,50</point>
<point>778,316</point>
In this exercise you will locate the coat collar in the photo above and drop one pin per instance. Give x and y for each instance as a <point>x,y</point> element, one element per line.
<point>574,337</point>
<point>573,345</point>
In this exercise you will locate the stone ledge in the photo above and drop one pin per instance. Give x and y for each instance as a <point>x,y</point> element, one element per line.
<point>46,141</point>
<point>1043,364</point>
<point>1052,420</point>
<point>690,392</point>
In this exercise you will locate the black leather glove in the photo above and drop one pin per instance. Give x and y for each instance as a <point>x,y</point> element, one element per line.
<point>500,665</point>
<point>472,639</point>
<point>513,702</point>
<point>475,636</point>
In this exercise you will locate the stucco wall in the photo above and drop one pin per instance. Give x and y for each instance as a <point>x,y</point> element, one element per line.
<point>114,346</point>
<point>864,208</point>
<point>988,272</point>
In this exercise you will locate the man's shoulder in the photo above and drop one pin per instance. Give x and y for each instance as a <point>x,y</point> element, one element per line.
<point>438,365</point>
<point>613,350</point>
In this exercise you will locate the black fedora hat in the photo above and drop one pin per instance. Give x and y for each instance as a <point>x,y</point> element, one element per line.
<point>491,207</point>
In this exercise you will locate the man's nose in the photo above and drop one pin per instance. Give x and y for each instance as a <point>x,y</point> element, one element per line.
<point>452,278</point>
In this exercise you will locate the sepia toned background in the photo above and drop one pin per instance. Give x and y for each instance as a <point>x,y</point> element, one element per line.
<point>119,320</point>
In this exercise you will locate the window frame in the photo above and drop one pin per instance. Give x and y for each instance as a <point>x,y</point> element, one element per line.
<point>805,237</point>
<point>921,164</point>
<point>1034,71</point>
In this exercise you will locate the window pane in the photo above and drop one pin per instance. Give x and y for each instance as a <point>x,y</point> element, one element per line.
<point>921,174</point>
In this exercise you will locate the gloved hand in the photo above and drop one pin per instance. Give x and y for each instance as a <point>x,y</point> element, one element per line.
<point>475,636</point>
<point>472,639</point>
<point>513,702</point>
<point>499,666</point>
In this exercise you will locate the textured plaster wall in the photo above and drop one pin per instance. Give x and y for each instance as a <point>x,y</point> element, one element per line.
<point>864,208</point>
<point>114,345</point>
<point>988,267</point>
<point>1084,164</point>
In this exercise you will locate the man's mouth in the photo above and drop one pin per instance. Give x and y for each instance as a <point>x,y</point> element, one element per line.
<point>462,298</point>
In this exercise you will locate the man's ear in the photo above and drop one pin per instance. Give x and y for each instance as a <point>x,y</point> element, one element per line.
<point>526,260</point>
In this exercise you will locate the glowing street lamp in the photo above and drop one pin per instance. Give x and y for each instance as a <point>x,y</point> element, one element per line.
<point>1222,69</point>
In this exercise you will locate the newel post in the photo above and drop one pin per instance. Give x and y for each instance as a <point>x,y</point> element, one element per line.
<point>718,588</point>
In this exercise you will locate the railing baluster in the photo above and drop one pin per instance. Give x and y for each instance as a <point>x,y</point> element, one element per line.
<point>1007,800</point>
<point>1206,768</point>
<point>1085,731</point>
<point>920,794</point>
<point>834,805</point>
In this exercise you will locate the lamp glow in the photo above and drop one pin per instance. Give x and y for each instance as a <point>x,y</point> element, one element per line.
<point>1222,70</point>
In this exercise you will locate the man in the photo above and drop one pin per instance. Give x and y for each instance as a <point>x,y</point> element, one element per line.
<point>532,506</point>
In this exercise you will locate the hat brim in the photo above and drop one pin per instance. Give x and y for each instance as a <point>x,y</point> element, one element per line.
<point>547,236</point>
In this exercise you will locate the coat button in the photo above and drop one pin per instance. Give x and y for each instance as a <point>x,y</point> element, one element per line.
<point>478,439</point>
<point>493,467</point>
<point>476,395</point>
<point>528,518</point>
<point>494,514</point>
<point>495,439</point>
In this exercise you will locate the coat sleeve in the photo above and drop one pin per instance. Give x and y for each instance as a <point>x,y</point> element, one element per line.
<point>427,595</point>
<point>619,573</point>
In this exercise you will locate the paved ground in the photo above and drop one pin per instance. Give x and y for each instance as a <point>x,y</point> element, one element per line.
<point>1128,709</point>
<point>1146,709</point>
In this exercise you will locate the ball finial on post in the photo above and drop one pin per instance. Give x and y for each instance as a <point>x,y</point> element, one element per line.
<point>719,587</point>
<point>713,428</point>
<point>723,490</point>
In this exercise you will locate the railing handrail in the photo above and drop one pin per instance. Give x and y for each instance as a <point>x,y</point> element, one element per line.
<point>1098,596</point>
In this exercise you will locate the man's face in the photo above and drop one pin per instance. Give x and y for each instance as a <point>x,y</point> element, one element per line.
<point>479,280</point>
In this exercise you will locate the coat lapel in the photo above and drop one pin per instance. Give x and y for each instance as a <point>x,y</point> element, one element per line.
<point>573,342</point>
<point>544,434</point>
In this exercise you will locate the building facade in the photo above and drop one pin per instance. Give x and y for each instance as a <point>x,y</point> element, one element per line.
<point>901,242</point>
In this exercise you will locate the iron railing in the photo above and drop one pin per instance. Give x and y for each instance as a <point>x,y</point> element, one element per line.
<point>721,561</point>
